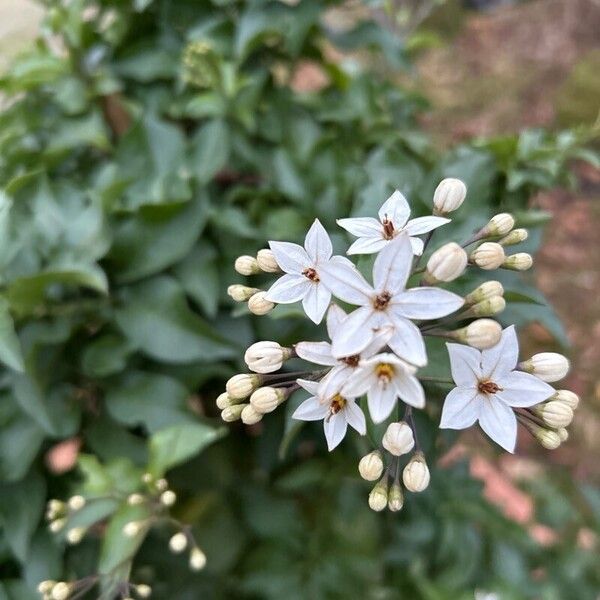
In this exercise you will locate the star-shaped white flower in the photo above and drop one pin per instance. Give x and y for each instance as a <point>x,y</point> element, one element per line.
<point>386,304</point>
<point>337,412</point>
<point>488,387</point>
<point>302,267</point>
<point>384,378</point>
<point>373,234</point>
<point>320,352</point>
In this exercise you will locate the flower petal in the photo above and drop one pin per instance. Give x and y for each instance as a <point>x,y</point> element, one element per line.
<point>290,257</point>
<point>410,390</point>
<point>382,335</point>
<point>362,226</point>
<point>407,342</point>
<point>335,429</point>
<point>417,245</point>
<point>335,316</point>
<point>499,422</point>
<point>522,389</point>
<point>359,382</point>
<point>501,358</point>
<point>317,243</point>
<point>461,408</point>
<point>355,333</point>
<point>395,209</point>
<point>312,387</point>
<point>316,352</point>
<point>424,225</point>
<point>367,245</point>
<point>316,301</point>
<point>465,364</point>
<point>345,282</point>
<point>333,382</point>
<point>288,289</point>
<point>355,417</point>
<point>311,410</point>
<point>393,265</point>
<point>426,303</point>
<point>381,401</point>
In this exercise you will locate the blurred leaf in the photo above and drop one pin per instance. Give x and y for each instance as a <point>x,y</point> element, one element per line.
<point>10,347</point>
<point>210,148</point>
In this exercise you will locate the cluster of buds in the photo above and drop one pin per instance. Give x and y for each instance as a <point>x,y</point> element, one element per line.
<point>370,363</point>
<point>183,540</point>
<point>58,514</point>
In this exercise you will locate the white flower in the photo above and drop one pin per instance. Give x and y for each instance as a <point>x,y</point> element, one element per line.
<point>386,304</point>
<point>488,387</point>
<point>302,268</point>
<point>336,410</point>
<point>384,378</point>
<point>373,234</point>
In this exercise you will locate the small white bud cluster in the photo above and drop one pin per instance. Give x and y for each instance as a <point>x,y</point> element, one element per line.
<point>58,514</point>
<point>398,438</point>
<point>480,334</point>
<point>234,404</point>
<point>264,262</point>
<point>557,414</point>
<point>266,357</point>
<point>55,590</point>
<point>448,196</point>
<point>446,264</point>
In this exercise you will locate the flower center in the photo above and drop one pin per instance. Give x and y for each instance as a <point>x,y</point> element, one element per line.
<point>488,387</point>
<point>381,300</point>
<point>311,274</point>
<point>388,229</point>
<point>337,403</point>
<point>351,361</point>
<point>384,372</point>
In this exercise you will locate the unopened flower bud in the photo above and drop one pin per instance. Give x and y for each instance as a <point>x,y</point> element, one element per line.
<point>54,509</point>
<point>132,528</point>
<point>76,503</point>
<point>499,224</point>
<point>250,416</point>
<point>241,386</point>
<point>395,497</point>
<point>563,434</point>
<point>518,262</point>
<point>135,499</point>
<point>246,265</point>
<point>488,256</point>
<point>147,478</point>
<point>57,525</point>
<point>197,559</point>
<point>266,357</point>
<point>259,305</point>
<point>547,438</point>
<point>267,262</point>
<point>370,466</point>
<point>448,196</point>
<point>568,397</point>
<point>143,590</point>
<point>241,293</point>
<point>161,484</point>
<point>480,334</point>
<point>61,591</point>
<point>267,399</point>
<point>178,543</point>
<point>516,236</point>
<point>75,535</point>
<point>233,413</point>
<point>45,587</point>
<point>168,498</point>
<point>485,291</point>
<point>416,474</point>
<point>223,401</point>
<point>555,413</point>
<point>487,308</point>
<point>446,263</point>
<point>398,438</point>
<point>548,366</point>
<point>378,497</point>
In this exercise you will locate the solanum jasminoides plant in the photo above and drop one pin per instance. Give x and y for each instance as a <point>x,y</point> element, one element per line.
<point>368,370</point>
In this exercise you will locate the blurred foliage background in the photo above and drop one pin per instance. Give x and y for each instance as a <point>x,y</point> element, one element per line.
<point>144,144</point>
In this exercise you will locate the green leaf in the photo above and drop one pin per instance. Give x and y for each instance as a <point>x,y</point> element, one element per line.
<point>210,148</point>
<point>175,445</point>
<point>106,355</point>
<point>20,441</point>
<point>512,296</point>
<point>10,347</point>
<point>156,318</point>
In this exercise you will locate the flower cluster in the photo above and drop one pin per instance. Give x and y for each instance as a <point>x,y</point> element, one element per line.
<point>370,364</point>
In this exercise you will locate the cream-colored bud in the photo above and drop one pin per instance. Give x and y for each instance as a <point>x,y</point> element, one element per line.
<point>548,366</point>
<point>267,399</point>
<point>485,291</point>
<point>233,413</point>
<point>246,265</point>
<point>147,478</point>
<point>168,498</point>
<point>57,525</point>
<point>487,308</point>
<point>241,293</point>
<point>54,508</point>
<point>416,474</point>
<point>516,236</point>
<point>75,535</point>
<point>197,559</point>
<point>61,591</point>
<point>500,224</point>
<point>178,543</point>
<point>568,397</point>
<point>135,499</point>
<point>241,386</point>
<point>518,262</point>
<point>395,497</point>
<point>132,528</point>
<point>266,357</point>
<point>398,438</point>
<point>76,502</point>
<point>259,305</point>
<point>250,416</point>
<point>563,434</point>
<point>267,262</point>
<point>370,466</point>
<point>378,497</point>
<point>555,413</point>
<point>481,334</point>
<point>448,196</point>
<point>223,401</point>
<point>446,263</point>
<point>143,590</point>
<point>161,484</point>
<point>488,256</point>
<point>45,587</point>
<point>547,438</point>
